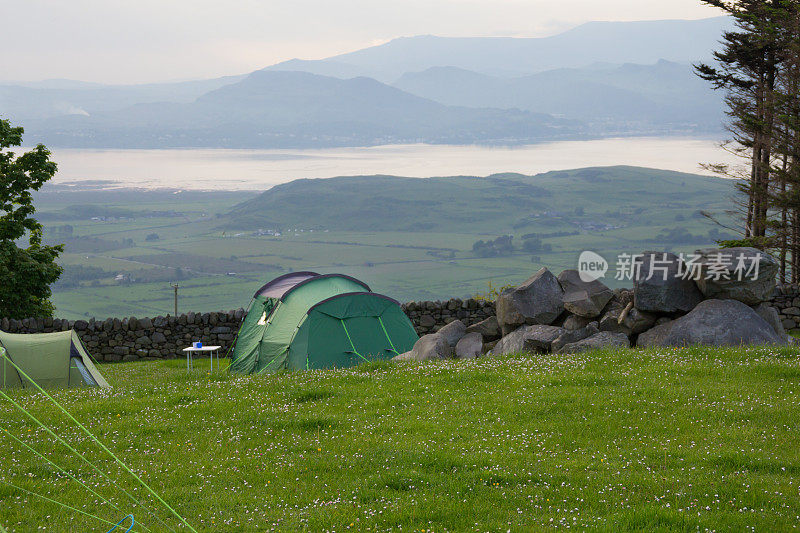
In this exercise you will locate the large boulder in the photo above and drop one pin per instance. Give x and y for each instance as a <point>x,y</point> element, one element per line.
<point>714,323</point>
<point>489,329</point>
<point>610,319</point>
<point>575,335</point>
<point>536,338</point>
<point>428,348</point>
<point>453,332</point>
<point>636,321</point>
<point>628,320</point>
<point>582,298</point>
<point>470,346</point>
<point>540,300</point>
<point>573,322</point>
<point>622,297</point>
<point>660,285</point>
<point>604,339</point>
<point>744,274</point>
<point>514,342</point>
<point>771,317</point>
<point>539,338</point>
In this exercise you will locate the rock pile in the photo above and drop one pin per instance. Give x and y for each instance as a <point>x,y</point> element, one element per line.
<point>726,306</point>
<point>546,313</point>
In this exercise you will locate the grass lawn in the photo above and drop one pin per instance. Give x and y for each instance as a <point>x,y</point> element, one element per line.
<point>612,441</point>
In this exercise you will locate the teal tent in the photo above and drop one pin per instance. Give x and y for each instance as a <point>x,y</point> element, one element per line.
<point>305,320</point>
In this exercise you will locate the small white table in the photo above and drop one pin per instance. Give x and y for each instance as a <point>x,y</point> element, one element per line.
<point>191,350</point>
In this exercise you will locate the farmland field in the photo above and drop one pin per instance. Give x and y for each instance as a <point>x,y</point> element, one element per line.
<point>412,239</point>
<point>667,440</point>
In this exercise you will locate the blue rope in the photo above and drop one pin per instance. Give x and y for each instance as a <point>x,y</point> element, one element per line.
<point>120,523</point>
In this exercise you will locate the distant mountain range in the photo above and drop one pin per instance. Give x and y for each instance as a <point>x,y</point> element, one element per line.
<point>296,110</point>
<point>664,96</point>
<point>600,79</point>
<point>52,98</point>
<point>645,42</point>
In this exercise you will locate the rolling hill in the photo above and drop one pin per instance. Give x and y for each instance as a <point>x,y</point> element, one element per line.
<point>495,204</point>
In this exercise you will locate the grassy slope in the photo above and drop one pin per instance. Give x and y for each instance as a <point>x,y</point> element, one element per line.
<point>384,231</point>
<point>667,440</point>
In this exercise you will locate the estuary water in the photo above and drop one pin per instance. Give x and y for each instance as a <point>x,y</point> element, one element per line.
<point>223,169</point>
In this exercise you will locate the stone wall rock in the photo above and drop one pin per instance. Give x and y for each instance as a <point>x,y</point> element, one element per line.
<point>428,348</point>
<point>786,301</point>
<point>133,339</point>
<point>430,317</point>
<point>714,323</point>
<point>582,298</point>
<point>604,339</point>
<point>725,274</point>
<point>539,300</point>
<point>470,346</point>
<point>659,286</point>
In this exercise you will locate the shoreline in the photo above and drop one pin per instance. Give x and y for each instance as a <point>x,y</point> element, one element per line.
<point>247,170</point>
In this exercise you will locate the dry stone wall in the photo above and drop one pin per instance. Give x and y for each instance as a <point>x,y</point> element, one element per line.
<point>787,302</point>
<point>131,339</point>
<point>429,317</point>
<point>161,337</point>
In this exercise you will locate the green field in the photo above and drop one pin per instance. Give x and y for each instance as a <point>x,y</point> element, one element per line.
<point>668,440</point>
<point>409,238</point>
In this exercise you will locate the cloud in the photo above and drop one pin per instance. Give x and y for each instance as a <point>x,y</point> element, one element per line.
<point>148,40</point>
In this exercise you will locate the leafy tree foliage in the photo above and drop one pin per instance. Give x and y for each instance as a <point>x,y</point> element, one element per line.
<point>498,247</point>
<point>25,273</point>
<point>534,244</point>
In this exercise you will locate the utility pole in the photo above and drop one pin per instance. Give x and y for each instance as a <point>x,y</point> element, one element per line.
<point>175,286</point>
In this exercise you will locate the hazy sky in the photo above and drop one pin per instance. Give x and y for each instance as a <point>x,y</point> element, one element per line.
<point>130,41</point>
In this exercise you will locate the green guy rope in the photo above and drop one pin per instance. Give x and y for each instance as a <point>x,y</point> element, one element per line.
<point>387,336</point>
<point>353,346</point>
<point>80,456</point>
<point>272,361</point>
<point>66,473</point>
<point>104,448</point>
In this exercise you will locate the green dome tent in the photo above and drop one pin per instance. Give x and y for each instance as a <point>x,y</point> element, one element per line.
<point>51,359</point>
<point>305,320</point>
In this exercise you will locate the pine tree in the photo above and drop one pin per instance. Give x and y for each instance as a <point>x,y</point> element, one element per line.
<point>786,196</point>
<point>747,69</point>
